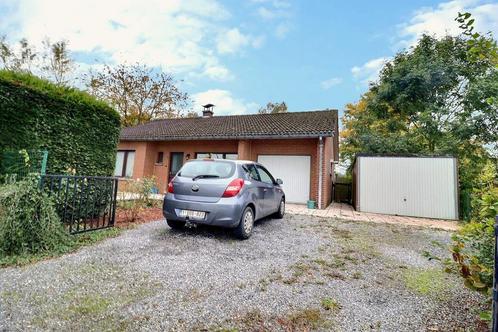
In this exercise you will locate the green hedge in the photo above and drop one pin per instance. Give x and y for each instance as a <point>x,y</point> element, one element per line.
<point>80,132</point>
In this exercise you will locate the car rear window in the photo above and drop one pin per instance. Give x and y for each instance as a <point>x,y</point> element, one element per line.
<point>218,169</point>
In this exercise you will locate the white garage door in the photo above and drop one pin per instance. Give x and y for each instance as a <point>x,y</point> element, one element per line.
<point>409,186</point>
<point>294,172</point>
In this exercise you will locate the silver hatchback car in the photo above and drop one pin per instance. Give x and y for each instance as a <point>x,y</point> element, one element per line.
<point>227,193</point>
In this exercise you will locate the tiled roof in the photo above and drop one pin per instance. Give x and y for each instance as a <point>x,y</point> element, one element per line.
<point>279,125</point>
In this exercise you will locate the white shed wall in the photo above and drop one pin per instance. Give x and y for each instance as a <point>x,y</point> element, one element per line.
<point>420,187</point>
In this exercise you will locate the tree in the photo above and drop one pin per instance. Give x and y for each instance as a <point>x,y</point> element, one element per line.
<point>58,63</point>
<point>472,248</point>
<point>273,108</point>
<point>138,93</point>
<point>363,131</point>
<point>438,97</point>
<point>22,60</point>
<point>192,114</point>
<point>430,95</point>
<point>53,63</point>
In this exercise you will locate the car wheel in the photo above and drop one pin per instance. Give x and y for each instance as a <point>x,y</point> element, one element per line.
<point>176,224</point>
<point>281,209</point>
<point>246,224</point>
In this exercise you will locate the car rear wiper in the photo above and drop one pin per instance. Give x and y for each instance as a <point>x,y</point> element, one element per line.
<point>205,176</point>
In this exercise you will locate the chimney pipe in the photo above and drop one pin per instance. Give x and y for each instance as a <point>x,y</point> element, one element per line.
<point>208,111</point>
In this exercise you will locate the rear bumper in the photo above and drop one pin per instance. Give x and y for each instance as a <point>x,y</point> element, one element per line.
<point>226,212</point>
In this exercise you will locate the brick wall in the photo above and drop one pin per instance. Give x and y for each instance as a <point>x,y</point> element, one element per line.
<point>146,154</point>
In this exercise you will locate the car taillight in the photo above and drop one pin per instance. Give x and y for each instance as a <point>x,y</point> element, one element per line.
<point>170,187</point>
<point>233,188</point>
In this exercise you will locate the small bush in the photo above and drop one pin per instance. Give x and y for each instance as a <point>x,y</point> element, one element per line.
<point>28,220</point>
<point>472,248</point>
<point>137,197</point>
<point>472,252</point>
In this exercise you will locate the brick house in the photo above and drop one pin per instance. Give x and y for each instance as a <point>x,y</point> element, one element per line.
<point>298,147</point>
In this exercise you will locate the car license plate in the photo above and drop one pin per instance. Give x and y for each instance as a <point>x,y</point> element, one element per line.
<point>192,214</point>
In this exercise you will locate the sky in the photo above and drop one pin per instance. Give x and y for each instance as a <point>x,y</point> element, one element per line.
<point>239,55</point>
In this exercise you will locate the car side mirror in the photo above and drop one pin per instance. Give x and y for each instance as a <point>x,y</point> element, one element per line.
<point>279,181</point>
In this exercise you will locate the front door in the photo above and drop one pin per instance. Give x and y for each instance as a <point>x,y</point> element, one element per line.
<point>175,163</point>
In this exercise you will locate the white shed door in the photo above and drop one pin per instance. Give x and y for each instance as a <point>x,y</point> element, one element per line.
<point>294,172</point>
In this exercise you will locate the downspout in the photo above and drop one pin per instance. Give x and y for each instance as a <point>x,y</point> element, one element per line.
<point>320,170</point>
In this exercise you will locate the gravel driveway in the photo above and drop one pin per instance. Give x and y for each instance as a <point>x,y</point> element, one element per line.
<point>296,274</point>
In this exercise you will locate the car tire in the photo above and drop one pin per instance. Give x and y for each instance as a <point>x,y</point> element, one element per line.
<point>246,224</point>
<point>176,224</point>
<point>281,210</point>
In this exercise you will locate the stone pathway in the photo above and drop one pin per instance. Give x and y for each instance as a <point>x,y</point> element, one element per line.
<point>346,212</point>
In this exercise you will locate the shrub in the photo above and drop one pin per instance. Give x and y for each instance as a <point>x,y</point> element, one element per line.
<point>485,192</point>
<point>137,197</point>
<point>473,246</point>
<point>472,251</point>
<point>79,132</point>
<point>28,220</point>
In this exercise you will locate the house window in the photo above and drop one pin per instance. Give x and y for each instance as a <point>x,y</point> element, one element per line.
<point>216,155</point>
<point>160,156</point>
<point>125,160</point>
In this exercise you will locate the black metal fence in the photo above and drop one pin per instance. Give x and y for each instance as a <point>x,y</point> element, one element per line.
<point>84,203</point>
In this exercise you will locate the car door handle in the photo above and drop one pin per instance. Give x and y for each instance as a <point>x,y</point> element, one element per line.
<point>264,189</point>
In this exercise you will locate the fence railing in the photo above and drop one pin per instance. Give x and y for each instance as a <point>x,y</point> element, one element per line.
<point>16,165</point>
<point>84,203</point>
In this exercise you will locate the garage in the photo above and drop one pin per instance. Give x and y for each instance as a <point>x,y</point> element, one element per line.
<point>294,172</point>
<point>407,186</point>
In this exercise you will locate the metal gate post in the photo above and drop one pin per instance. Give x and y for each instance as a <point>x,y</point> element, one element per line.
<point>43,169</point>
<point>495,280</point>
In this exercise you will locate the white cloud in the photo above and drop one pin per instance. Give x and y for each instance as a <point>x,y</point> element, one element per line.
<point>279,4</point>
<point>369,71</point>
<point>265,13</point>
<point>440,20</point>
<point>225,103</point>
<point>327,84</point>
<point>218,73</point>
<point>278,13</point>
<point>259,41</point>
<point>233,41</point>
<point>174,35</point>
<point>282,30</point>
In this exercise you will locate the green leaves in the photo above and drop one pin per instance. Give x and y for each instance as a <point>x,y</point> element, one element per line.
<point>437,98</point>
<point>78,131</point>
<point>28,220</point>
